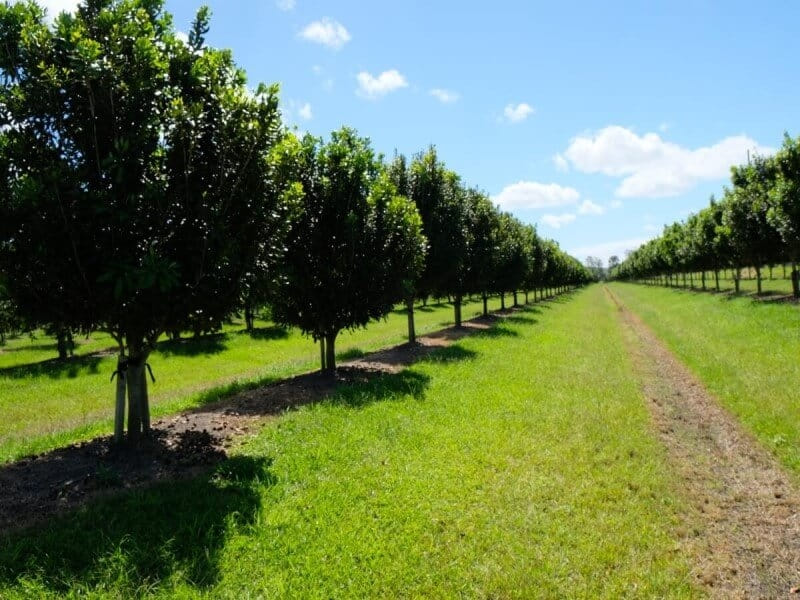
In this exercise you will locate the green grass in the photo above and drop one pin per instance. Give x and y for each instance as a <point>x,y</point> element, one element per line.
<point>49,404</point>
<point>518,463</point>
<point>745,352</point>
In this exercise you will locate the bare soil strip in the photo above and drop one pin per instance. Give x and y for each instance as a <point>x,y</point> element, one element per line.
<point>186,444</point>
<point>742,533</point>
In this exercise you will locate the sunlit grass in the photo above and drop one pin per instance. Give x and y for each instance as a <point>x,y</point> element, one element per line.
<point>746,352</point>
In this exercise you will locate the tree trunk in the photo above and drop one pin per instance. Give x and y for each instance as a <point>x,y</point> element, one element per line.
<point>502,300</point>
<point>684,279</point>
<point>515,299</point>
<point>457,310</point>
<point>322,353</point>
<point>770,272</point>
<point>758,281</point>
<point>691,279</point>
<point>119,404</point>
<point>526,297</point>
<point>795,281</point>
<point>703,280</point>
<point>485,299</point>
<point>736,277</point>
<point>135,381</point>
<point>716,279</point>
<point>330,353</point>
<point>62,343</point>
<point>412,334</point>
<point>249,318</point>
<point>784,270</point>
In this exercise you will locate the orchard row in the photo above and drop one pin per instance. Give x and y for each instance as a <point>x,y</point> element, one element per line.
<point>147,190</point>
<point>755,223</point>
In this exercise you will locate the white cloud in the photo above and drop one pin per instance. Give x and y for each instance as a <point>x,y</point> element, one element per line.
<point>607,249</point>
<point>285,4</point>
<point>517,113</point>
<point>561,163</point>
<point>444,96</point>
<point>531,194</point>
<point>651,167</point>
<point>558,221</point>
<point>327,32</point>
<point>182,36</point>
<point>304,112</point>
<point>56,7</point>
<point>375,87</point>
<point>590,208</point>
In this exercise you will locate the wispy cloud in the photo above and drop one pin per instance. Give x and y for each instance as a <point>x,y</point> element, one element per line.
<point>372,87</point>
<point>444,96</point>
<point>327,32</point>
<point>516,113</point>
<point>532,195</point>
<point>558,221</point>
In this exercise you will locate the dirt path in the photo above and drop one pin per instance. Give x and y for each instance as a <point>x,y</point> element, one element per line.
<point>184,445</point>
<point>742,533</point>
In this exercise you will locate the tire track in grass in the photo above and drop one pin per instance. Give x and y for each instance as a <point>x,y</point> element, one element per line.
<point>743,531</point>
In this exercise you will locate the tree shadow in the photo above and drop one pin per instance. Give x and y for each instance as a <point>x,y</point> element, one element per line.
<point>449,354</point>
<point>498,330</point>
<point>520,318</point>
<point>379,387</point>
<point>141,536</point>
<point>272,332</point>
<point>351,354</point>
<point>50,346</point>
<point>206,345</point>
<point>55,368</point>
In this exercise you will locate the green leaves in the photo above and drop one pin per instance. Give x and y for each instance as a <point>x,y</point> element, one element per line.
<point>353,242</point>
<point>136,172</point>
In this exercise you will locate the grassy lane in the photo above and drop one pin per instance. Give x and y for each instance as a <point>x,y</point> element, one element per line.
<point>745,352</point>
<point>517,463</point>
<point>50,404</point>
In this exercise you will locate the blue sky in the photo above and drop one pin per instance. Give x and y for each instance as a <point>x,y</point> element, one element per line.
<point>599,122</point>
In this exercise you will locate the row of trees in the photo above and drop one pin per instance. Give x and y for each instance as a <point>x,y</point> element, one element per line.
<point>146,189</point>
<point>755,223</point>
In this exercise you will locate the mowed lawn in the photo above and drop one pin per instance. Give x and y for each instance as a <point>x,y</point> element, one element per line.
<point>518,463</point>
<point>746,352</point>
<point>47,403</point>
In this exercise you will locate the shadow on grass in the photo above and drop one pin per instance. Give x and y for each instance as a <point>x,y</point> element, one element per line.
<point>351,354</point>
<point>272,332</point>
<point>377,388</point>
<point>29,347</point>
<point>201,346</point>
<point>522,318</point>
<point>176,529</point>
<point>498,330</point>
<point>449,354</point>
<point>141,537</point>
<point>55,368</point>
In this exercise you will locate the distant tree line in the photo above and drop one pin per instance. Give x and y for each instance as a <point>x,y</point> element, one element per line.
<point>147,190</point>
<point>756,223</point>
